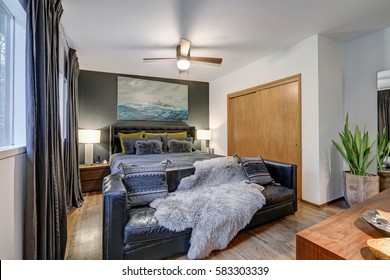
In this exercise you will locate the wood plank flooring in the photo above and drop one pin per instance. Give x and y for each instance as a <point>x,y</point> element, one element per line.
<point>272,241</point>
<point>85,229</point>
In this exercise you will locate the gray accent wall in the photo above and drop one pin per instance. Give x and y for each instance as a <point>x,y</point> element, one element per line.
<point>98,106</point>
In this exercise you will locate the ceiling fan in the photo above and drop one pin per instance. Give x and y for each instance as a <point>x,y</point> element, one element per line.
<point>184,58</point>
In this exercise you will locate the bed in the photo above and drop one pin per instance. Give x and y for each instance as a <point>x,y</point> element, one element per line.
<point>178,161</point>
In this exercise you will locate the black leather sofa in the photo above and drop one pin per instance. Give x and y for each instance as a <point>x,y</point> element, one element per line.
<point>135,233</point>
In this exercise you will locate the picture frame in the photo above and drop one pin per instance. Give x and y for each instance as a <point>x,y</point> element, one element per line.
<point>149,100</point>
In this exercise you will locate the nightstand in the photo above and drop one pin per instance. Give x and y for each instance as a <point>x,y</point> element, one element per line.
<point>91,176</point>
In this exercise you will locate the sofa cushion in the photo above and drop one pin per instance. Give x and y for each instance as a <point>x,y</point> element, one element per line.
<point>276,194</point>
<point>145,183</point>
<point>256,170</point>
<point>143,226</point>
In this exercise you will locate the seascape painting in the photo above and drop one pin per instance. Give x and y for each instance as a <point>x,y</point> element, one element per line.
<point>151,100</point>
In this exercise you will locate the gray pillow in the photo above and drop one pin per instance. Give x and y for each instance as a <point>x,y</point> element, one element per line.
<point>179,146</point>
<point>129,143</point>
<point>256,170</point>
<point>148,147</point>
<point>145,183</point>
<point>166,140</point>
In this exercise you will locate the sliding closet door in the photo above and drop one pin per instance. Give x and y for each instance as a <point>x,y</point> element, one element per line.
<point>266,121</point>
<point>241,113</point>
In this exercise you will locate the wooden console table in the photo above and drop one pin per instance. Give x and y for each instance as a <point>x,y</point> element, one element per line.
<point>343,236</point>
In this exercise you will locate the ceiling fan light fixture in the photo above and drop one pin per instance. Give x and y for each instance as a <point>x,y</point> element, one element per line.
<point>183,64</point>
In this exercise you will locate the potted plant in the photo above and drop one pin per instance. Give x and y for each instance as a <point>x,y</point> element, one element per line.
<point>382,156</point>
<point>356,150</point>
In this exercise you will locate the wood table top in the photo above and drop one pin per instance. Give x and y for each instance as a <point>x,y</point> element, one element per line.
<point>345,235</point>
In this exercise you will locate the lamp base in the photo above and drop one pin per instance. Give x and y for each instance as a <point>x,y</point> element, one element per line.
<point>203,145</point>
<point>89,154</point>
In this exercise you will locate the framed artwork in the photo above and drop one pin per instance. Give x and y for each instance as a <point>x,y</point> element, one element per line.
<point>151,100</point>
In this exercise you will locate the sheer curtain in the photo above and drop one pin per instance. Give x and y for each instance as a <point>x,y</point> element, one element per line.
<point>74,196</point>
<point>45,219</point>
<point>384,111</point>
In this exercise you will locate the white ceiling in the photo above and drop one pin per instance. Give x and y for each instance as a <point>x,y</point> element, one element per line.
<point>114,36</point>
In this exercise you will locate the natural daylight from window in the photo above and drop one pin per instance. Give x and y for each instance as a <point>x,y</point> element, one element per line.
<point>6,75</point>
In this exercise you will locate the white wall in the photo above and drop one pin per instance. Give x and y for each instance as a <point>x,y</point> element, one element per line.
<point>13,180</point>
<point>336,79</point>
<point>362,59</point>
<point>299,58</point>
<point>331,119</point>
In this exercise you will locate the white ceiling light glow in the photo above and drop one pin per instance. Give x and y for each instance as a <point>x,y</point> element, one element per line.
<point>183,64</point>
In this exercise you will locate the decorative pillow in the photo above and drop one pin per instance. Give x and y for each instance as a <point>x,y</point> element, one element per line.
<point>177,134</point>
<point>166,139</point>
<point>152,135</point>
<point>145,183</point>
<point>179,146</point>
<point>129,135</point>
<point>129,143</point>
<point>148,147</point>
<point>256,170</point>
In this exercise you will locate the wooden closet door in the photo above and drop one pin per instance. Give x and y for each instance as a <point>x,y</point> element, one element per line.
<point>279,126</point>
<point>267,122</point>
<point>244,110</point>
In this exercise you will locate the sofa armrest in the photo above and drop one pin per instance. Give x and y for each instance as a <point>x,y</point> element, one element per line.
<point>114,216</point>
<point>284,174</point>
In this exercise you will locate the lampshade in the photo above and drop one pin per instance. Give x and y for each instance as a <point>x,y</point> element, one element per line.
<point>203,134</point>
<point>89,136</point>
<point>183,64</point>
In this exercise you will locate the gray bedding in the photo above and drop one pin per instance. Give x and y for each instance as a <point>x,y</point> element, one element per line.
<point>177,159</point>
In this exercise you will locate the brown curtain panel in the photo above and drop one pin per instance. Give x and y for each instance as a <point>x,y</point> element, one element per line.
<point>45,217</point>
<point>384,111</point>
<point>74,196</point>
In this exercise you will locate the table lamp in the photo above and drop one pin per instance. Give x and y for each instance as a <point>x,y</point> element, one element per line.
<point>89,137</point>
<point>203,135</point>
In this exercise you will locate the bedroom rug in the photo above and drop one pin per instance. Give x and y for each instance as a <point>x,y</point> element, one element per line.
<point>216,202</point>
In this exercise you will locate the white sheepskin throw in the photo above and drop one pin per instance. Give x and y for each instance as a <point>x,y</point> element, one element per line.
<point>216,202</point>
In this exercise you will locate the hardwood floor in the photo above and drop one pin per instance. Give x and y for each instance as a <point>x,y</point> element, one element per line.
<point>85,229</point>
<point>272,241</point>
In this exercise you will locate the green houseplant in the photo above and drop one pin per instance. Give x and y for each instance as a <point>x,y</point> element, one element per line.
<point>356,149</point>
<point>382,154</point>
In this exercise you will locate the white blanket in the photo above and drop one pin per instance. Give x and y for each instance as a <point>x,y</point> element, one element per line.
<point>216,202</point>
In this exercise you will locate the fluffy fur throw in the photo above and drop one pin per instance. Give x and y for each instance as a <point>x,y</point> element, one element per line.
<point>215,202</point>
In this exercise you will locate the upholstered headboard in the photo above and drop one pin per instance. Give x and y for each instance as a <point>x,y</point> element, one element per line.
<point>114,129</point>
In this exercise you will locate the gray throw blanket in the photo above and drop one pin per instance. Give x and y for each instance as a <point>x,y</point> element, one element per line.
<point>216,202</point>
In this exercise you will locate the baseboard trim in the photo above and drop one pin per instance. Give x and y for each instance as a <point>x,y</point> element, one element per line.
<point>324,204</point>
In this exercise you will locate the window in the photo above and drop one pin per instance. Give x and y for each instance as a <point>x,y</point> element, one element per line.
<point>12,75</point>
<point>6,75</point>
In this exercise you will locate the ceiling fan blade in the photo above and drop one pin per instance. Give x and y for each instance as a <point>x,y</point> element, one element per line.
<point>158,58</point>
<point>215,60</point>
<point>185,46</point>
